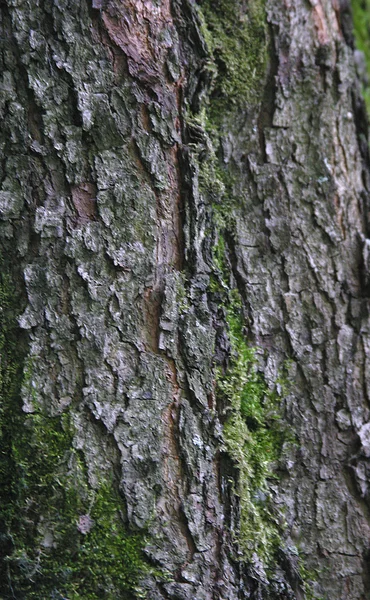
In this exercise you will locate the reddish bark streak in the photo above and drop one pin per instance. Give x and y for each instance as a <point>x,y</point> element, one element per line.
<point>320,23</point>
<point>172,470</point>
<point>135,31</point>
<point>84,200</point>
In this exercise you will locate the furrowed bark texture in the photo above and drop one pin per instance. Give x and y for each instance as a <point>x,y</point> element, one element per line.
<point>134,155</point>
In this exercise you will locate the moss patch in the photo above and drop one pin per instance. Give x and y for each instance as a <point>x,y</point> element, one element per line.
<point>66,538</point>
<point>253,437</point>
<point>11,359</point>
<point>237,41</point>
<point>59,538</point>
<point>252,430</point>
<point>309,580</point>
<point>361,22</point>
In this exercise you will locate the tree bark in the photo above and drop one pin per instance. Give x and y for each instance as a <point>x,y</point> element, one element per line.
<point>184,301</point>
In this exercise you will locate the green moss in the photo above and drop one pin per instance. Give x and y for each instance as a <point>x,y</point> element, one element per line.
<point>252,433</point>
<point>50,494</point>
<point>309,579</point>
<point>253,437</point>
<point>11,357</point>
<point>237,43</point>
<point>44,494</point>
<point>361,21</point>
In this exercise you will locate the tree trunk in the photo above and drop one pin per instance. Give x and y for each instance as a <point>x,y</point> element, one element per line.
<point>184,301</point>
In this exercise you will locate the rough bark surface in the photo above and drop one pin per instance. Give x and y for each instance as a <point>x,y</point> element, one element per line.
<point>143,178</point>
